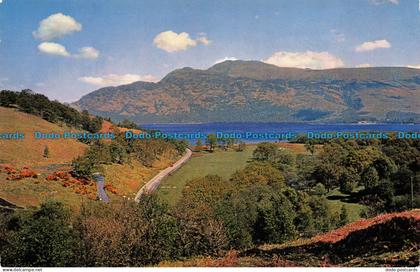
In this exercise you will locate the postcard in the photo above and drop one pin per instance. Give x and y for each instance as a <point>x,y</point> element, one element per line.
<point>282,134</point>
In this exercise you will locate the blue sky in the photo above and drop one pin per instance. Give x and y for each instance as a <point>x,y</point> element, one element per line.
<point>66,49</point>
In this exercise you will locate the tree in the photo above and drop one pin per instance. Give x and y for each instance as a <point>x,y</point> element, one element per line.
<point>319,189</point>
<point>370,178</point>
<point>128,234</point>
<point>310,147</point>
<point>201,194</point>
<point>117,152</point>
<point>46,152</point>
<point>95,124</point>
<point>344,217</point>
<point>83,166</point>
<point>85,120</point>
<point>199,143</point>
<point>259,173</point>
<point>180,146</point>
<point>92,125</point>
<point>202,231</point>
<point>304,216</point>
<point>275,218</point>
<point>265,152</point>
<point>8,98</point>
<point>329,167</point>
<point>211,141</point>
<point>45,238</point>
<point>145,152</point>
<point>321,213</point>
<point>128,124</point>
<point>49,115</point>
<point>328,174</point>
<point>348,181</point>
<point>238,212</point>
<point>285,157</point>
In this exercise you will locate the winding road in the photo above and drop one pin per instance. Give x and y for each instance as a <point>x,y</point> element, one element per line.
<point>154,183</point>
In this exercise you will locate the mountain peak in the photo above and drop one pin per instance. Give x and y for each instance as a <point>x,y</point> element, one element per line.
<point>253,69</point>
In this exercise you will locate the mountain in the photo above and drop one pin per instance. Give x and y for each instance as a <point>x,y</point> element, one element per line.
<point>236,91</point>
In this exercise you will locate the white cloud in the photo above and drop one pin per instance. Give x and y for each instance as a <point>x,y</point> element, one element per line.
<point>308,59</point>
<point>203,39</point>
<point>372,45</point>
<point>57,49</point>
<point>172,42</point>
<point>55,26</point>
<point>224,59</point>
<point>87,53</point>
<point>51,48</point>
<point>363,65</point>
<point>414,66</point>
<point>115,80</point>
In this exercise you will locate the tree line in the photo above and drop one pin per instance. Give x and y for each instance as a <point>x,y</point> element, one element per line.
<point>51,111</point>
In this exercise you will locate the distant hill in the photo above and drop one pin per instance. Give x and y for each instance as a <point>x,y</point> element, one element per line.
<point>260,92</point>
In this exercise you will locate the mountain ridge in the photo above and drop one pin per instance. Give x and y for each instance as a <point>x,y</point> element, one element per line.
<point>256,91</point>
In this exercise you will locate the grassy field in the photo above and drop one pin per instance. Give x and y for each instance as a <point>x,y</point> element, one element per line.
<point>30,151</point>
<point>222,163</point>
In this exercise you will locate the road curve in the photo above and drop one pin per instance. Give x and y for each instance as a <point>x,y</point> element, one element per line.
<point>154,183</point>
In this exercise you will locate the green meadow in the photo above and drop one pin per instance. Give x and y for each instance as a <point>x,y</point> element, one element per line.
<point>222,163</point>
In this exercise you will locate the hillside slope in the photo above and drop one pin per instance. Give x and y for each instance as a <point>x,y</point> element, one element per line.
<point>255,91</point>
<point>46,178</point>
<point>30,151</point>
<point>384,240</point>
<point>27,155</point>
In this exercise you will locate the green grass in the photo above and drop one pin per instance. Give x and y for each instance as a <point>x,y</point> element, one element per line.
<point>353,209</point>
<point>222,163</point>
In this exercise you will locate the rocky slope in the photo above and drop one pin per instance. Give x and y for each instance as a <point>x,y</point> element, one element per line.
<point>255,91</point>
